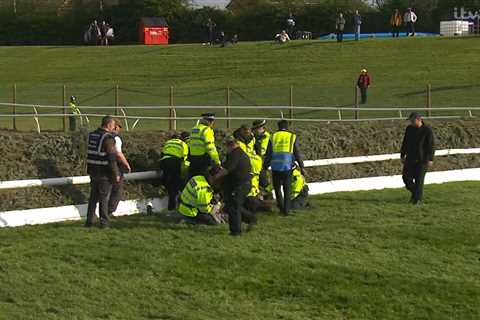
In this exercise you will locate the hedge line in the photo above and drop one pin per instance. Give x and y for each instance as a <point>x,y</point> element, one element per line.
<point>187,25</point>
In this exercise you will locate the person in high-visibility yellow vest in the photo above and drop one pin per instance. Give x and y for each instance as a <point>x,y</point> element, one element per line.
<point>262,138</point>
<point>196,201</point>
<point>75,112</point>
<point>246,142</point>
<point>282,153</point>
<point>299,190</point>
<point>174,154</point>
<point>203,152</point>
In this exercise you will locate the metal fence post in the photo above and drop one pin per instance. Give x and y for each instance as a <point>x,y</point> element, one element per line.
<point>173,122</point>
<point>429,100</point>
<point>357,113</point>
<point>291,104</point>
<point>117,101</point>
<point>14,107</point>
<point>227,107</point>
<point>64,104</point>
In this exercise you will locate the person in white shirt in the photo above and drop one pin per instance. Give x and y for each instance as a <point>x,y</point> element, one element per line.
<point>410,19</point>
<point>282,37</point>
<point>117,188</point>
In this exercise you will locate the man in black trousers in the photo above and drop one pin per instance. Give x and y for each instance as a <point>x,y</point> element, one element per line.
<point>237,185</point>
<point>102,167</point>
<point>282,154</point>
<point>417,156</point>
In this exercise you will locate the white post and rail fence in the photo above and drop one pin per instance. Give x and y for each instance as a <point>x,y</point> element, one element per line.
<point>271,113</point>
<point>76,212</point>
<point>173,113</point>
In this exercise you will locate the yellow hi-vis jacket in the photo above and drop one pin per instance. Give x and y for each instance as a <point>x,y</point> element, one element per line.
<point>283,143</point>
<point>196,197</point>
<point>298,182</point>
<point>75,109</point>
<point>175,148</point>
<point>264,139</point>
<point>256,162</point>
<point>202,141</point>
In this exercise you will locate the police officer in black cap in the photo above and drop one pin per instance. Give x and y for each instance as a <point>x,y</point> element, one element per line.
<point>102,166</point>
<point>417,156</point>
<point>203,152</point>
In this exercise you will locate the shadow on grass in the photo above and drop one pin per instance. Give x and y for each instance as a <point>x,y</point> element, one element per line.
<point>438,89</point>
<point>311,43</point>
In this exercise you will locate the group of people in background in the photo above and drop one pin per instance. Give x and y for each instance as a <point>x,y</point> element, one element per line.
<point>221,38</point>
<point>408,20</point>
<point>397,21</point>
<point>99,33</point>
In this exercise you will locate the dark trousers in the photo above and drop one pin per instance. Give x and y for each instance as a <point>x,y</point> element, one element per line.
<point>199,165</point>
<point>172,179</point>
<point>339,35</point>
<point>116,196</point>
<point>395,31</point>
<point>72,123</point>
<point>235,205</point>
<point>282,179</point>
<point>414,177</point>
<point>201,218</point>
<point>410,28</point>
<point>301,200</point>
<point>100,188</point>
<point>363,93</point>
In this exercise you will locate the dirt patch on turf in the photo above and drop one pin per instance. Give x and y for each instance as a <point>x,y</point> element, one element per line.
<point>32,155</point>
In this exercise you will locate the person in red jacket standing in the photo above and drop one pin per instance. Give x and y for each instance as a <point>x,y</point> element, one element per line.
<point>363,83</point>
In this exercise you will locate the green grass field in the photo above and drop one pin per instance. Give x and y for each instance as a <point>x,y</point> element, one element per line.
<point>364,255</point>
<point>321,73</point>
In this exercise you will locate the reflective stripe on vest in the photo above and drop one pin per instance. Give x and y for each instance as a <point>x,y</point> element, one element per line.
<point>256,160</point>
<point>197,144</point>
<point>75,109</point>
<point>95,155</point>
<point>282,150</point>
<point>173,148</point>
<point>190,199</point>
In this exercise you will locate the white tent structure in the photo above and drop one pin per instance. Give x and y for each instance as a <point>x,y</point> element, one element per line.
<point>220,4</point>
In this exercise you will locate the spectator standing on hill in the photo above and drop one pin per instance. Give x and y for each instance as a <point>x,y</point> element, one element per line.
<point>417,156</point>
<point>103,32</point>
<point>410,19</point>
<point>340,27</point>
<point>357,23</point>
<point>211,27</point>
<point>291,24</point>
<point>363,83</point>
<point>396,22</point>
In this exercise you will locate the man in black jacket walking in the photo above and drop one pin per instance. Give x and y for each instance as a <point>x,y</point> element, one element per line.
<point>417,156</point>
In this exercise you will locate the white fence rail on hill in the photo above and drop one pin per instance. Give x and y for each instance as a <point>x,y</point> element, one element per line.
<point>288,112</point>
<point>76,212</point>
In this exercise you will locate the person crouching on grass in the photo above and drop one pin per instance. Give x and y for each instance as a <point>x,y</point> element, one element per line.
<point>417,156</point>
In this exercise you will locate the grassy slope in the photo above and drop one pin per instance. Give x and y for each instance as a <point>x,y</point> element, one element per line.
<point>361,255</point>
<point>323,73</point>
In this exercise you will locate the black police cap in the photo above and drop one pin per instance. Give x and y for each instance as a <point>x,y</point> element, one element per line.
<point>208,116</point>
